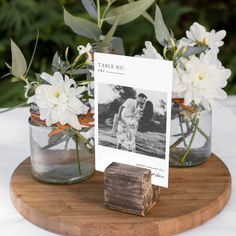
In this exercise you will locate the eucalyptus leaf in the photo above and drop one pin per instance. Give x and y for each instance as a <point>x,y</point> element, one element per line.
<point>82,26</point>
<point>15,79</point>
<point>107,40</point>
<point>19,65</point>
<point>162,33</point>
<point>58,141</point>
<point>55,60</point>
<point>85,82</point>
<point>56,137</point>
<point>78,71</point>
<point>38,77</point>
<point>128,12</point>
<point>118,46</point>
<point>194,51</point>
<point>91,8</point>
<point>146,15</point>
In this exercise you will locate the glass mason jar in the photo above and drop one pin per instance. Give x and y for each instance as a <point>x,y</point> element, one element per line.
<point>62,158</point>
<point>190,142</point>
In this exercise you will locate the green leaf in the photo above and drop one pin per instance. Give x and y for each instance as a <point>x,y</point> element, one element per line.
<point>15,79</point>
<point>146,15</point>
<point>81,26</point>
<point>56,137</point>
<point>118,46</point>
<point>107,40</point>
<point>55,60</point>
<point>128,12</point>
<point>90,7</point>
<point>194,51</point>
<point>85,82</point>
<point>162,33</point>
<point>18,65</point>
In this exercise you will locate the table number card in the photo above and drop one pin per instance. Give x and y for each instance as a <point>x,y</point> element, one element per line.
<point>133,108</point>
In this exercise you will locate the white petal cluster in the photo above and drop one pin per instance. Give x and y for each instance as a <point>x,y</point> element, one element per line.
<point>59,100</point>
<point>198,79</point>
<point>86,50</point>
<point>150,52</point>
<point>198,36</point>
<point>201,79</point>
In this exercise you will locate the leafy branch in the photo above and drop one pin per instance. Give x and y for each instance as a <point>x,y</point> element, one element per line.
<point>114,16</point>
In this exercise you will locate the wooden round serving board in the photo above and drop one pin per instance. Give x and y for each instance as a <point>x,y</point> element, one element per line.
<point>194,196</point>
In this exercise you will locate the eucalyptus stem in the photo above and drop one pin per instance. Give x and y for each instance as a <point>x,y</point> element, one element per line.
<point>66,143</point>
<point>182,131</point>
<point>203,133</point>
<point>105,12</point>
<point>12,108</point>
<point>191,142</point>
<point>77,153</point>
<point>99,13</point>
<point>180,140</point>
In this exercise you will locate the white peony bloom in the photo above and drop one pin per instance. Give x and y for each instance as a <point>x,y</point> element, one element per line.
<point>59,100</point>
<point>200,80</point>
<point>197,35</point>
<point>86,50</point>
<point>150,52</point>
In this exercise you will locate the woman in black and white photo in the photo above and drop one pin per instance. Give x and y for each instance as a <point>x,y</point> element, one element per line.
<point>129,115</point>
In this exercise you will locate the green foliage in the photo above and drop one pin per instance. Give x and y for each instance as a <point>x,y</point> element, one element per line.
<point>128,12</point>
<point>82,26</point>
<point>107,39</point>
<point>162,33</point>
<point>115,16</point>
<point>20,19</point>
<point>18,64</point>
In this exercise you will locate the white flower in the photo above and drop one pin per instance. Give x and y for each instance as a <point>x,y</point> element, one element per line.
<point>91,73</point>
<point>150,52</point>
<point>59,100</point>
<point>91,102</point>
<point>198,36</point>
<point>200,80</point>
<point>86,50</point>
<point>28,86</point>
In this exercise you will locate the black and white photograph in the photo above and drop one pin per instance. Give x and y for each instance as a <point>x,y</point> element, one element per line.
<point>132,119</point>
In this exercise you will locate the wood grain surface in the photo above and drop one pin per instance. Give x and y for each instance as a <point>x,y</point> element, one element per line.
<point>194,196</point>
<point>129,189</point>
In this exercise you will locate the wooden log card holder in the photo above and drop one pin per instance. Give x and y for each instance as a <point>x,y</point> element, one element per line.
<point>128,189</point>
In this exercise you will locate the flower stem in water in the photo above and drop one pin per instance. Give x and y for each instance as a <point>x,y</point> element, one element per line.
<point>77,153</point>
<point>182,130</point>
<point>191,142</point>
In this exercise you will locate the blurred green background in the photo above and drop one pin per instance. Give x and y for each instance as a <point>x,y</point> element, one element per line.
<point>19,20</point>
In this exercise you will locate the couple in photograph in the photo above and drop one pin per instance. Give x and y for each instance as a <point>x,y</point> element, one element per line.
<point>126,122</point>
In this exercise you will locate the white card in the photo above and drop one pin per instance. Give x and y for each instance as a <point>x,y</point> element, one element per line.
<point>132,113</point>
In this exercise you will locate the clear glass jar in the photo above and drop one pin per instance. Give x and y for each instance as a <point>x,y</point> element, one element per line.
<point>61,159</point>
<point>190,142</point>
